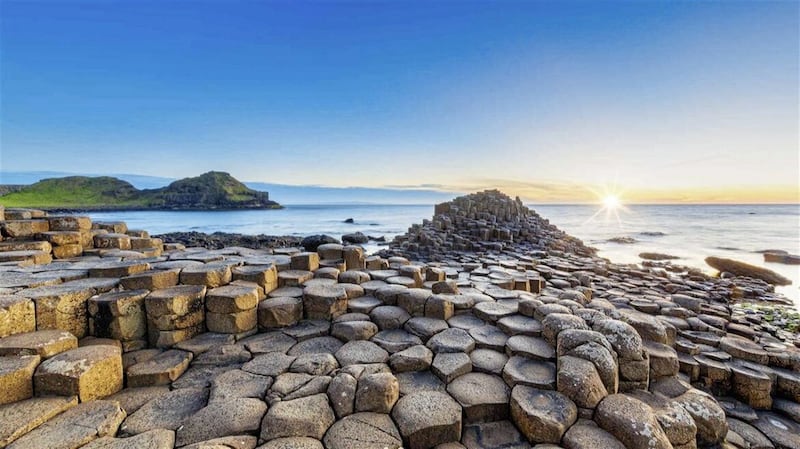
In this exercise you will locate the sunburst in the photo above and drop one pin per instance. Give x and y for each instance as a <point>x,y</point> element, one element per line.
<point>611,203</point>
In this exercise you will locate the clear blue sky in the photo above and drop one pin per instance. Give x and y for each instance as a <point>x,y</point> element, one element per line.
<point>667,101</point>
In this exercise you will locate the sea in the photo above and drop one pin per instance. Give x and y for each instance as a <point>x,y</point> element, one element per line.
<point>690,232</point>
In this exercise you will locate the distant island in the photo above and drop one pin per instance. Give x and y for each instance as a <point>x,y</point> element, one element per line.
<point>209,191</point>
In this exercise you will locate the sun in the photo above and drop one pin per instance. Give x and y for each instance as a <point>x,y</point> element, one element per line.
<point>611,202</point>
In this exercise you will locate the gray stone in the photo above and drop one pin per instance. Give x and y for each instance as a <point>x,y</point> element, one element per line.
<point>292,443</point>
<point>132,399</point>
<point>451,340</point>
<point>222,418</point>
<point>162,369</point>
<point>314,364</point>
<point>239,384</point>
<point>427,418</point>
<point>165,412</point>
<point>304,417</point>
<point>489,337</point>
<point>395,340</point>
<point>488,361</point>
<point>316,345</point>
<point>415,358</point>
<point>270,364</point>
<point>483,397</point>
<point>541,415</point>
<point>449,365</point>
<point>631,421</point>
<point>530,372</point>
<point>377,393</point>
<point>587,435</point>
<point>364,431</point>
<point>414,381</point>
<point>578,380</point>
<point>342,394</point>
<point>491,435</point>
<point>153,439</point>
<point>357,352</point>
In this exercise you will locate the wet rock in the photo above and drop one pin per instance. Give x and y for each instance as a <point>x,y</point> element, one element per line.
<point>744,269</point>
<point>313,242</point>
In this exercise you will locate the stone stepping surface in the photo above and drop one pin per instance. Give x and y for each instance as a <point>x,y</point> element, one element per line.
<point>484,327</point>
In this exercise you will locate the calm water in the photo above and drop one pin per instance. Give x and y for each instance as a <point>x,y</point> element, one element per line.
<point>691,232</point>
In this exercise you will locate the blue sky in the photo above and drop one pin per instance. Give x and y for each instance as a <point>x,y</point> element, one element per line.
<point>661,101</point>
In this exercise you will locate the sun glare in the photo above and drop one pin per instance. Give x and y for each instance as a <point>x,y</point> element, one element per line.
<point>611,202</point>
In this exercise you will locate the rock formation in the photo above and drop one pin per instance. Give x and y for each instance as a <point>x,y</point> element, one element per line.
<point>484,327</point>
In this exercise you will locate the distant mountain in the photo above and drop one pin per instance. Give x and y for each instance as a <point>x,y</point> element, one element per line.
<point>212,190</point>
<point>283,193</point>
<point>30,177</point>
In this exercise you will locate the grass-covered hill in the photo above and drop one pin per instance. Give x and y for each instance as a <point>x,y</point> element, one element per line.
<point>212,190</point>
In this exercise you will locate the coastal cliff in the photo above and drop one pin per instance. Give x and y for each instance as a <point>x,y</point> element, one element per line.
<point>209,191</point>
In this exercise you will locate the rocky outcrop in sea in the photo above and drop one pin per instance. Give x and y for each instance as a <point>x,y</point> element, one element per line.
<point>484,327</point>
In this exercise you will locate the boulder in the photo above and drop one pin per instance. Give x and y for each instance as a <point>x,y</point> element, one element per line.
<point>738,268</point>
